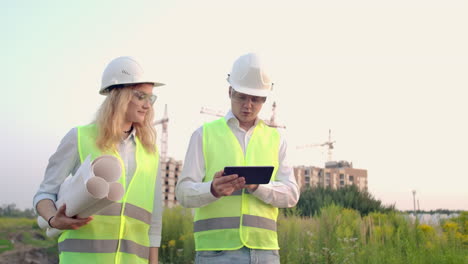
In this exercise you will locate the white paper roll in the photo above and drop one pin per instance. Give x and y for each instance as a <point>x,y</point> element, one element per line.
<point>116,192</point>
<point>52,232</point>
<point>81,176</point>
<point>107,167</point>
<point>42,223</point>
<point>83,195</point>
<point>91,189</point>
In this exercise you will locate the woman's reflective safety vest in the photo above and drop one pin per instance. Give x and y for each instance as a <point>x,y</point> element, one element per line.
<point>119,233</point>
<point>240,219</point>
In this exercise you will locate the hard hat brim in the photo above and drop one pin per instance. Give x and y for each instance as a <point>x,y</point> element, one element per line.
<point>251,91</point>
<point>106,90</point>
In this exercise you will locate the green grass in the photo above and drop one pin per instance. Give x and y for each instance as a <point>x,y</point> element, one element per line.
<point>342,236</point>
<point>11,223</point>
<point>337,235</point>
<point>37,239</point>
<point>27,230</point>
<point>177,244</point>
<point>5,245</point>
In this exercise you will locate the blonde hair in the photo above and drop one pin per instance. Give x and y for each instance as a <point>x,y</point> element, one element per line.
<point>111,116</point>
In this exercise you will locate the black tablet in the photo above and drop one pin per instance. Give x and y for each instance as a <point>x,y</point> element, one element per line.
<point>252,174</point>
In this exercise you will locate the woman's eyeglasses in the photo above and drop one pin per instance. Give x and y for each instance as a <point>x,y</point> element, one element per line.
<point>141,97</point>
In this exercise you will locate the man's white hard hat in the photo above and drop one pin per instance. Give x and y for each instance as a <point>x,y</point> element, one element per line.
<point>123,71</point>
<point>247,76</point>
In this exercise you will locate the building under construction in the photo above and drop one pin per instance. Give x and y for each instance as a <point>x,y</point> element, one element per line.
<point>336,174</point>
<point>170,168</point>
<point>170,171</point>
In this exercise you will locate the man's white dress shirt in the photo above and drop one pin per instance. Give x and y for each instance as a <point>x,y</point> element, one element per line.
<point>192,192</point>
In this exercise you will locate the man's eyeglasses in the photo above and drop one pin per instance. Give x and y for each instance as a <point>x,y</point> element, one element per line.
<point>243,98</point>
<point>140,97</point>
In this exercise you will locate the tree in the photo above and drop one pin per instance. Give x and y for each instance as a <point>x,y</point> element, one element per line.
<point>10,210</point>
<point>313,199</point>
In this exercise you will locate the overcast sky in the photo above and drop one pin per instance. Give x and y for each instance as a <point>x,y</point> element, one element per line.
<point>389,78</point>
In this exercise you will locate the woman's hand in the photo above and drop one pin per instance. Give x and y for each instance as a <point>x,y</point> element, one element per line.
<point>63,222</point>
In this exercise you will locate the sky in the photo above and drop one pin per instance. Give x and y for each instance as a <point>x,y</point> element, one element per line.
<point>389,79</point>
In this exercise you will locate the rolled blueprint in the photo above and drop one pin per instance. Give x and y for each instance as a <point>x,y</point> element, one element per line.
<point>91,189</point>
<point>107,167</point>
<point>52,232</point>
<point>116,192</point>
<point>83,195</point>
<point>100,172</point>
<point>42,223</point>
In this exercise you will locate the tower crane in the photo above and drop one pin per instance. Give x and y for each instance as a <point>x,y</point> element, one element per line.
<point>209,111</point>
<point>271,122</point>
<point>328,144</point>
<point>164,135</point>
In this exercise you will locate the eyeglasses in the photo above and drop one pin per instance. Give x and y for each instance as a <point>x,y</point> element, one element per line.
<point>243,98</point>
<point>140,97</point>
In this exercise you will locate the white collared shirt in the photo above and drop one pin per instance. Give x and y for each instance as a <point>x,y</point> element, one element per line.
<point>66,161</point>
<point>192,192</point>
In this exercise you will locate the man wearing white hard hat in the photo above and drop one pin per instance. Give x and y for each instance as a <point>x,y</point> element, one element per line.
<point>129,231</point>
<point>235,222</point>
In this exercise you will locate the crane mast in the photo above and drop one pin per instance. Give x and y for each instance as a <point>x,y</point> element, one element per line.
<point>328,144</point>
<point>164,135</point>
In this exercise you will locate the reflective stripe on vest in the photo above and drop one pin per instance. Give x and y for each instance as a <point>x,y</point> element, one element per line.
<point>240,219</point>
<point>120,230</point>
<point>103,246</point>
<point>130,211</point>
<point>233,222</point>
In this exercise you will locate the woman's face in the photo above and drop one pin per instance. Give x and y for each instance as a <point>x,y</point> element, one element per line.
<point>142,101</point>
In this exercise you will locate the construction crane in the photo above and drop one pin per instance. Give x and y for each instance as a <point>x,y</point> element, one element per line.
<point>164,135</point>
<point>328,144</point>
<point>219,113</point>
<point>209,111</point>
<point>272,121</point>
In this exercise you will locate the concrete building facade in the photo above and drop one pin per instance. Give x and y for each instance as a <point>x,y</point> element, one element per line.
<point>336,174</point>
<point>170,171</point>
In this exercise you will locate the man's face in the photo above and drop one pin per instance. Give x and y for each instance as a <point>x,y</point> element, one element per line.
<point>245,107</point>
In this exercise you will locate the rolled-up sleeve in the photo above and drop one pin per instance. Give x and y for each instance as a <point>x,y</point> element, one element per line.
<point>284,192</point>
<point>62,163</point>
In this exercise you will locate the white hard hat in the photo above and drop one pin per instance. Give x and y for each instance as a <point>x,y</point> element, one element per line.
<point>248,76</point>
<point>123,71</point>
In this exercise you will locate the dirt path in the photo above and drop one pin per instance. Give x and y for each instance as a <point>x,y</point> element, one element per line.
<point>26,254</point>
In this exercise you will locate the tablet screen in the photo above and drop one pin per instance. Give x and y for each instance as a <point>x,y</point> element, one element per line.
<point>252,174</point>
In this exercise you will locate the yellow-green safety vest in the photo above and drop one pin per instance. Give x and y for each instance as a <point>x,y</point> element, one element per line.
<point>119,233</point>
<point>240,219</point>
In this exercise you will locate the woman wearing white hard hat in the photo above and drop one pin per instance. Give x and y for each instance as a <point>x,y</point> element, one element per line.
<point>129,232</point>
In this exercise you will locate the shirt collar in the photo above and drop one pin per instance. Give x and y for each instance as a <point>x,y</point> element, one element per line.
<point>231,118</point>
<point>130,136</point>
